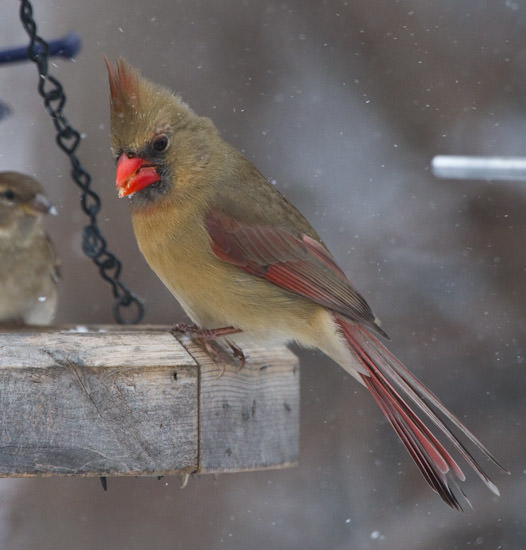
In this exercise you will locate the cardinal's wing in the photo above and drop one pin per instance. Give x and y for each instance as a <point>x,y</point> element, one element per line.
<point>297,263</point>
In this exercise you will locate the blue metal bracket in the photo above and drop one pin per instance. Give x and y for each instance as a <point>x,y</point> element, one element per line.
<point>68,46</point>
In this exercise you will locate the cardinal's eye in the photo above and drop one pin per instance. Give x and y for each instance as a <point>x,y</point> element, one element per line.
<point>160,143</point>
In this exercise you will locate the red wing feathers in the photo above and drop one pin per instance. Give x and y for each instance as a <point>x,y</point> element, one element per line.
<point>299,264</point>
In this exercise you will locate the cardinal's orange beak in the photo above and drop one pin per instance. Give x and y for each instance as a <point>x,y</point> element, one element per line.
<point>133,174</point>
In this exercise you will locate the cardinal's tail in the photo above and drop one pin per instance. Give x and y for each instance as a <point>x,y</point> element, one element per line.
<point>412,410</point>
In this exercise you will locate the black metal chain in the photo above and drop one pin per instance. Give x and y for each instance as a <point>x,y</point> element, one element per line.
<point>68,139</point>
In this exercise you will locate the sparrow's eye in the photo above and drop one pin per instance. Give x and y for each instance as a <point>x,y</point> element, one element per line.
<point>9,195</point>
<point>160,143</point>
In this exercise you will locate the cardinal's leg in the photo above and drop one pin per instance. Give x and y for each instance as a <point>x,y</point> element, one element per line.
<point>207,338</point>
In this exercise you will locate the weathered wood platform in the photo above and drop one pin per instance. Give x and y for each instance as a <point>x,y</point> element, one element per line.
<point>113,400</point>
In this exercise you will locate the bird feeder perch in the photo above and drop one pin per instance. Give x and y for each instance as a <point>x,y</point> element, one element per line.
<point>115,401</point>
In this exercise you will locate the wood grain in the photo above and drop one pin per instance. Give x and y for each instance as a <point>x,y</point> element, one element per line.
<point>249,417</point>
<point>109,400</point>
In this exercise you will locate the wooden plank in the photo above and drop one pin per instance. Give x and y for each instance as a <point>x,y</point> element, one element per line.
<point>108,346</point>
<point>101,401</point>
<point>249,417</point>
<point>96,403</point>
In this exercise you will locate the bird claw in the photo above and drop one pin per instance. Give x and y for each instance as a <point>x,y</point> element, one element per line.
<point>203,333</point>
<point>238,354</point>
<point>207,338</point>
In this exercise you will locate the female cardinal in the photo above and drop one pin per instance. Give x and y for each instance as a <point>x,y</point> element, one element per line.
<point>254,268</point>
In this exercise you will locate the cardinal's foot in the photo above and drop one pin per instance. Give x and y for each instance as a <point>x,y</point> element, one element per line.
<point>237,353</point>
<point>207,338</point>
<point>203,333</point>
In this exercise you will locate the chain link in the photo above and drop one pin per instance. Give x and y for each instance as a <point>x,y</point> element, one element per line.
<point>68,139</point>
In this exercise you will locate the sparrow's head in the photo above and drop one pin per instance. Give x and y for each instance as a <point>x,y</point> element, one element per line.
<point>154,133</point>
<point>22,201</point>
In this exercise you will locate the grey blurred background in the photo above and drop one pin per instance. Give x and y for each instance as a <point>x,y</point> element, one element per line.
<point>343,104</point>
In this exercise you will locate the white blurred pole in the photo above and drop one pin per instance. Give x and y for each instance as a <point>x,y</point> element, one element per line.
<point>483,168</point>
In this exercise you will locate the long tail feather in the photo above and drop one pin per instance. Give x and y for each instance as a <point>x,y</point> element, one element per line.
<point>390,384</point>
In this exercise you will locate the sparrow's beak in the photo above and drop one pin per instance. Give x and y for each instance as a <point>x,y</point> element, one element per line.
<point>40,205</point>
